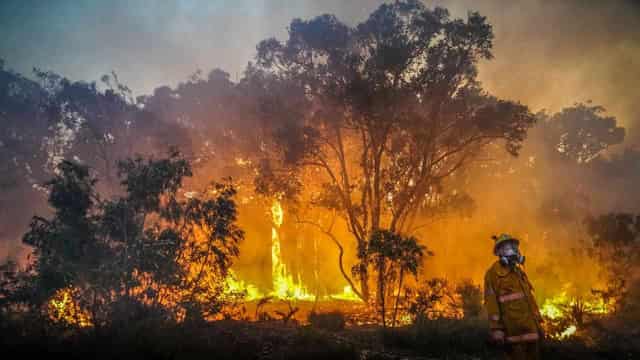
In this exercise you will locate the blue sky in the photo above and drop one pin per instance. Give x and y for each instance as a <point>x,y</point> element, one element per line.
<point>148,42</point>
<point>548,53</point>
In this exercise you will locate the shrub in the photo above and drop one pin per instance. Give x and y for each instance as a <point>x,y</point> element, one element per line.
<point>332,321</point>
<point>470,298</point>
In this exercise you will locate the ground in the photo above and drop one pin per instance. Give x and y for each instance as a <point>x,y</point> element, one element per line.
<point>230,339</point>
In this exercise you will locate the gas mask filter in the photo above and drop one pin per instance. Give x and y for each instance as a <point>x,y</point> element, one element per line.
<point>510,255</point>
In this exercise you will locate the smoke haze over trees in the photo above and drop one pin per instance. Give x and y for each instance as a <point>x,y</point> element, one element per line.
<point>548,54</point>
<point>580,159</point>
<point>369,150</point>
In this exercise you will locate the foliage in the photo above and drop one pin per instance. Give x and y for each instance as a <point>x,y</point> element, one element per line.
<point>581,133</point>
<point>24,128</point>
<point>103,127</point>
<point>148,248</point>
<point>616,245</point>
<point>146,339</point>
<point>393,256</point>
<point>47,118</point>
<point>446,338</point>
<point>471,298</point>
<point>385,110</point>
<point>433,300</point>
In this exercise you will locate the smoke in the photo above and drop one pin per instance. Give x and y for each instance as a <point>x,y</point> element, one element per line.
<point>548,55</point>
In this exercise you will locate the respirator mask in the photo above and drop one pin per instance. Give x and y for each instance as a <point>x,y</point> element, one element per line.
<point>509,254</point>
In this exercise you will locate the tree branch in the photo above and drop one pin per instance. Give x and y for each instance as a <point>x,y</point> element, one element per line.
<point>340,250</point>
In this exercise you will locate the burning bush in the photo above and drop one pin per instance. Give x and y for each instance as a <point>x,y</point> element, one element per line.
<point>145,249</point>
<point>564,315</point>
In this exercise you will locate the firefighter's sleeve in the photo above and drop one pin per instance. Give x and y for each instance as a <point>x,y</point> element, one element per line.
<point>534,303</point>
<point>491,304</point>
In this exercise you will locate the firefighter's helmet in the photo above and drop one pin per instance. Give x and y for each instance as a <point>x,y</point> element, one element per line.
<point>501,239</point>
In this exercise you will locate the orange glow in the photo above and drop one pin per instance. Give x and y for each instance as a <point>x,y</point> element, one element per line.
<point>63,308</point>
<point>560,307</point>
<point>284,285</point>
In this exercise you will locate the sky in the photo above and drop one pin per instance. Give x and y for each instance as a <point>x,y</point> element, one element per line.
<point>548,53</point>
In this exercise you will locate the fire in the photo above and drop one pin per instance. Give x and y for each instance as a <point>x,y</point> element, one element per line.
<point>242,162</point>
<point>569,312</point>
<point>347,295</point>
<point>64,309</point>
<point>233,285</point>
<point>568,332</point>
<point>284,285</point>
<point>550,307</point>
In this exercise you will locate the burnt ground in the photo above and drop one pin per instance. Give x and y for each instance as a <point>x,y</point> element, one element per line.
<point>229,339</point>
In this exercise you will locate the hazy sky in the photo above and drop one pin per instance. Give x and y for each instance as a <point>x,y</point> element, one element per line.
<point>549,53</point>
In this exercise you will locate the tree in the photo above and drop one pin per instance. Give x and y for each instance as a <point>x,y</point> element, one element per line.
<point>386,110</point>
<point>215,113</point>
<point>102,127</point>
<point>616,241</point>
<point>393,256</point>
<point>581,132</point>
<point>22,157</point>
<point>434,299</point>
<point>148,246</point>
<point>52,118</point>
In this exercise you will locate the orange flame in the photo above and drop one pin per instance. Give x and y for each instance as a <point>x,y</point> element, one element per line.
<point>64,309</point>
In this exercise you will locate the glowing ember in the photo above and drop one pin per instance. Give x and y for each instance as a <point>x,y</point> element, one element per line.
<point>242,162</point>
<point>64,309</point>
<point>568,332</point>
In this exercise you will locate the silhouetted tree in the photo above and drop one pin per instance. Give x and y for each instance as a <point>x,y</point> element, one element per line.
<point>393,256</point>
<point>386,110</point>
<point>52,118</point>
<point>24,126</point>
<point>149,246</point>
<point>471,298</point>
<point>581,132</point>
<point>101,127</point>
<point>616,240</point>
<point>430,300</point>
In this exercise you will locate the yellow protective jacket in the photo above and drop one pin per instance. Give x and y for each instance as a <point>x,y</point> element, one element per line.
<point>510,304</point>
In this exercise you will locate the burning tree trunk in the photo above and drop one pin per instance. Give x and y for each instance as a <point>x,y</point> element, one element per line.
<point>284,285</point>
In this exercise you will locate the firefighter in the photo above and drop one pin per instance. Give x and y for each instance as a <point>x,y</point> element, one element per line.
<point>515,323</point>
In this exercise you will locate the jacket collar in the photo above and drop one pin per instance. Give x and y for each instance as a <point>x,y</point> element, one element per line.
<point>502,270</point>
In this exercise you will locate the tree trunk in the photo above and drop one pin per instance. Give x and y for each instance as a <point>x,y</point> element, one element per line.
<point>364,282</point>
<point>395,308</point>
<point>363,273</point>
<point>381,294</point>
